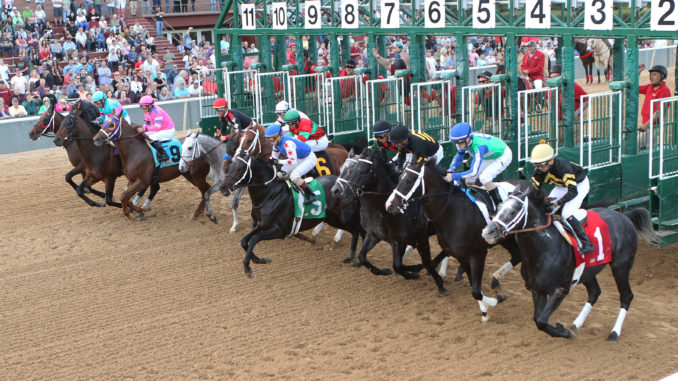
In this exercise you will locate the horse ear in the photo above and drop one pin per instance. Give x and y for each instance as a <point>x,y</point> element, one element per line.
<point>351,153</point>
<point>120,114</point>
<point>50,110</point>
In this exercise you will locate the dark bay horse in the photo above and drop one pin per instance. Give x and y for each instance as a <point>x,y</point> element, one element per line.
<point>48,125</point>
<point>587,59</point>
<point>371,180</point>
<point>99,163</point>
<point>457,221</point>
<point>273,204</point>
<point>139,167</point>
<point>548,261</point>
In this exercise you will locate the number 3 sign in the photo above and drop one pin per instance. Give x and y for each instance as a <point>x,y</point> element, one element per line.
<point>598,15</point>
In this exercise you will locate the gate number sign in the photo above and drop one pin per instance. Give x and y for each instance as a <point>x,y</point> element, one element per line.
<point>279,15</point>
<point>484,13</point>
<point>434,13</point>
<point>248,17</point>
<point>312,15</point>
<point>663,15</point>
<point>390,14</point>
<point>349,14</point>
<point>538,14</point>
<point>598,15</point>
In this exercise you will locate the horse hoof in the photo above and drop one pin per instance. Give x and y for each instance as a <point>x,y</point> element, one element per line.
<point>443,293</point>
<point>613,337</point>
<point>214,219</point>
<point>501,298</point>
<point>265,260</point>
<point>357,264</point>
<point>333,245</point>
<point>141,217</point>
<point>485,318</point>
<point>495,284</point>
<point>100,204</point>
<point>234,229</point>
<point>386,272</point>
<point>313,241</point>
<point>146,208</point>
<point>248,272</point>
<point>347,260</point>
<point>458,278</point>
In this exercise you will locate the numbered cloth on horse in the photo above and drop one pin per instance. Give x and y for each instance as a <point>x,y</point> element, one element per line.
<point>312,210</point>
<point>323,165</point>
<point>173,150</point>
<point>599,234</point>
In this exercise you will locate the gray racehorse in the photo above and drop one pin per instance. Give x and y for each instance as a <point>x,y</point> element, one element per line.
<point>196,146</point>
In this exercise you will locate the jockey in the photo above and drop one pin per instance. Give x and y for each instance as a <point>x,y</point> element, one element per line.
<point>571,185</point>
<point>108,107</point>
<point>306,130</point>
<point>417,144</point>
<point>158,126</point>
<point>300,158</point>
<point>89,112</point>
<point>381,132</point>
<point>490,154</point>
<point>230,119</point>
<point>280,109</point>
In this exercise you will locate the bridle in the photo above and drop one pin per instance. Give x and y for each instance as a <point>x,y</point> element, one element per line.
<point>508,227</point>
<point>417,183</point>
<point>255,143</point>
<point>196,151</point>
<point>50,124</point>
<point>341,181</point>
<point>247,175</point>
<point>112,133</point>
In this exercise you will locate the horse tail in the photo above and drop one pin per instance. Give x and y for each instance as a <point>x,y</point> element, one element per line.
<point>643,223</point>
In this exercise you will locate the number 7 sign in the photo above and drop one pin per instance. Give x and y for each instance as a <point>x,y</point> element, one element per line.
<point>390,14</point>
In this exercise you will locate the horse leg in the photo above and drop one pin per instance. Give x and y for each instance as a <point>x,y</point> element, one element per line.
<point>316,230</point>
<point>110,185</point>
<point>425,253</point>
<point>337,238</point>
<point>71,173</point>
<point>621,277</point>
<point>80,191</point>
<point>206,197</point>
<point>138,197</point>
<point>545,308</point>
<point>354,245</point>
<point>593,290</point>
<point>234,207</point>
<point>397,251</point>
<point>408,250</point>
<point>203,186</point>
<point>513,249</point>
<point>132,188</point>
<point>271,233</point>
<point>155,187</point>
<point>474,271</point>
<point>368,243</point>
<point>443,267</point>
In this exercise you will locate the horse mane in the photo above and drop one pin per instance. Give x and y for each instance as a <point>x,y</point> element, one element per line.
<point>536,196</point>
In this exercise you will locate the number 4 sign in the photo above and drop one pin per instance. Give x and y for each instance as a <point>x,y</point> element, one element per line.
<point>538,14</point>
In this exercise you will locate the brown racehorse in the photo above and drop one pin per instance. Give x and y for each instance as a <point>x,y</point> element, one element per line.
<point>98,163</point>
<point>139,166</point>
<point>49,123</point>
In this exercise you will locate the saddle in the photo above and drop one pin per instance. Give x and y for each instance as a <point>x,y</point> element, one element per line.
<point>481,197</point>
<point>303,210</point>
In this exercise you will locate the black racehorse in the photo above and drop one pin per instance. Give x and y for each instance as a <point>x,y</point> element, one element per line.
<point>457,221</point>
<point>372,180</point>
<point>273,205</point>
<point>548,261</point>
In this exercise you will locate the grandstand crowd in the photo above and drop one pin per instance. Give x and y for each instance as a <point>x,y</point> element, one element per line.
<point>42,62</point>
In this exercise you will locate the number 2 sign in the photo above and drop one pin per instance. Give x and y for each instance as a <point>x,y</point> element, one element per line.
<point>663,15</point>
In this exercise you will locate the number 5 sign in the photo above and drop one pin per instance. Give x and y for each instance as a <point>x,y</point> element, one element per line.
<point>484,13</point>
<point>598,14</point>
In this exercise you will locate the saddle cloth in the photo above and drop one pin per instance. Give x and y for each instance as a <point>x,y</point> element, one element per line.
<point>311,210</point>
<point>482,198</point>
<point>173,150</point>
<point>599,235</point>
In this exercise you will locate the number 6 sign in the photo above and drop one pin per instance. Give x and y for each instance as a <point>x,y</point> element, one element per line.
<point>434,14</point>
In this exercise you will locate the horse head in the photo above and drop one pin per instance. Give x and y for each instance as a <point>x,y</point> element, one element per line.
<point>239,172</point>
<point>409,182</point>
<point>68,130</point>
<point>111,130</point>
<point>342,186</point>
<point>364,173</point>
<point>48,122</point>
<point>190,150</point>
<point>513,213</point>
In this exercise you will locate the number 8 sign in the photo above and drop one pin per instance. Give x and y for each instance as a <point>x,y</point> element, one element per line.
<point>434,12</point>
<point>349,14</point>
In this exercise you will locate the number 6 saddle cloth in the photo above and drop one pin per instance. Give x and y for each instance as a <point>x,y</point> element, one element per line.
<point>599,235</point>
<point>173,150</point>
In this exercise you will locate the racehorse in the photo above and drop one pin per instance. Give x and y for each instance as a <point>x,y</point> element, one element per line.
<point>548,260</point>
<point>139,167</point>
<point>586,57</point>
<point>198,146</point>
<point>98,163</point>
<point>456,220</point>
<point>371,180</point>
<point>273,204</point>
<point>602,55</point>
<point>48,125</point>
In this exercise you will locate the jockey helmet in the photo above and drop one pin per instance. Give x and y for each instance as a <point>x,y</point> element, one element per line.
<point>485,74</point>
<point>381,126</point>
<point>146,100</point>
<point>460,132</point>
<point>556,69</point>
<point>542,152</point>
<point>292,116</point>
<point>661,69</point>
<point>398,134</point>
<point>273,130</point>
<point>98,96</point>
<point>220,103</point>
<point>351,63</point>
<point>72,98</point>
<point>282,107</point>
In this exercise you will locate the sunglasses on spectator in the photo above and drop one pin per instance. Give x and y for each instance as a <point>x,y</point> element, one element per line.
<point>482,81</point>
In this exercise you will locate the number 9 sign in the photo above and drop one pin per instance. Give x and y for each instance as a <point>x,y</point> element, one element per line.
<point>312,16</point>
<point>598,15</point>
<point>434,13</point>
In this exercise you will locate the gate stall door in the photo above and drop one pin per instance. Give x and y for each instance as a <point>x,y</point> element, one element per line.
<point>306,90</point>
<point>240,88</point>
<point>344,101</point>
<point>482,108</point>
<point>272,88</point>
<point>537,120</point>
<point>385,101</point>
<point>430,111</point>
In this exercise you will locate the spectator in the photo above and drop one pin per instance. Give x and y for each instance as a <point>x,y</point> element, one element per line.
<point>5,93</point>
<point>62,105</point>
<point>66,9</point>
<point>120,7</point>
<point>45,105</point>
<point>19,82</point>
<point>145,7</point>
<point>113,59</point>
<point>4,70</point>
<point>32,103</point>
<point>57,7</point>
<point>188,41</point>
<point>4,110</point>
<point>124,98</point>
<point>195,89</point>
<point>533,65</point>
<point>110,8</point>
<point>165,94</point>
<point>181,92</point>
<point>69,47</point>
<point>17,110</point>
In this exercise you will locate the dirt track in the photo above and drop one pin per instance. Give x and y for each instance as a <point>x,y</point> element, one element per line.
<point>88,294</point>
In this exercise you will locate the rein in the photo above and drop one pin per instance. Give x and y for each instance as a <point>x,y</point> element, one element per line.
<point>46,127</point>
<point>549,220</point>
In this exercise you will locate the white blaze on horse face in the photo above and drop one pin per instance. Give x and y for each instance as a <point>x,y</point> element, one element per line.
<point>390,199</point>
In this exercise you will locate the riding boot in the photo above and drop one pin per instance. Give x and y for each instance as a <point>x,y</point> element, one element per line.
<point>586,246</point>
<point>494,193</point>
<point>309,196</point>
<point>162,155</point>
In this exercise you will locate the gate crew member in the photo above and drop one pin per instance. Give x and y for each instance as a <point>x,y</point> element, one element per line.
<point>556,71</point>
<point>571,185</point>
<point>414,144</point>
<point>158,125</point>
<point>533,65</point>
<point>656,89</point>
<point>306,130</point>
<point>490,155</point>
<point>230,119</point>
<point>300,159</point>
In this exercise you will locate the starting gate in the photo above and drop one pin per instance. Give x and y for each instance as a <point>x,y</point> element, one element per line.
<point>343,102</point>
<point>240,89</point>
<point>481,107</point>
<point>307,95</point>
<point>430,111</point>
<point>385,101</point>
<point>271,88</point>
<point>537,119</point>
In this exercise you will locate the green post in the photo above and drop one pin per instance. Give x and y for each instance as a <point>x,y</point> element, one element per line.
<point>631,124</point>
<point>619,59</point>
<point>345,49</point>
<point>334,54</point>
<point>568,90</point>
<point>461,58</point>
<point>417,65</point>
<point>299,54</point>
<point>371,60</point>
<point>513,69</point>
<point>313,49</point>
<point>381,48</point>
<point>267,82</point>
<point>280,51</point>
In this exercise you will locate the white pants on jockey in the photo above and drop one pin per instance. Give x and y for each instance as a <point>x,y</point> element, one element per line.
<point>573,207</point>
<point>538,83</point>
<point>162,135</point>
<point>438,156</point>
<point>318,145</point>
<point>302,167</point>
<point>489,169</point>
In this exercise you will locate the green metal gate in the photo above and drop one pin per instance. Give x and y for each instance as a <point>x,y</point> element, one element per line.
<point>272,87</point>
<point>430,111</point>
<point>241,86</point>
<point>344,100</point>
<point>537,119</point>
<point>385,100</point>
<point>307,95</point>
<point>482,108</point>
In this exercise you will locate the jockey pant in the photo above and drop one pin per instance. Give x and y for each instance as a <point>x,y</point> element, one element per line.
<point>302,167</point>
<point>489,169</point>
<point>318,145</point>
<point>162,135</point>
<point>573,207</point>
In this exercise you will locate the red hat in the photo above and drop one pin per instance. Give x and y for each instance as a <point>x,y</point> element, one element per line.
<point>220,103</point>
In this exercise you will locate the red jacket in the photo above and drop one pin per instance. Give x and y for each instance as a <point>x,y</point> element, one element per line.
<point>534,64</point>
<point>307,127</point>
<point>650,95</point>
